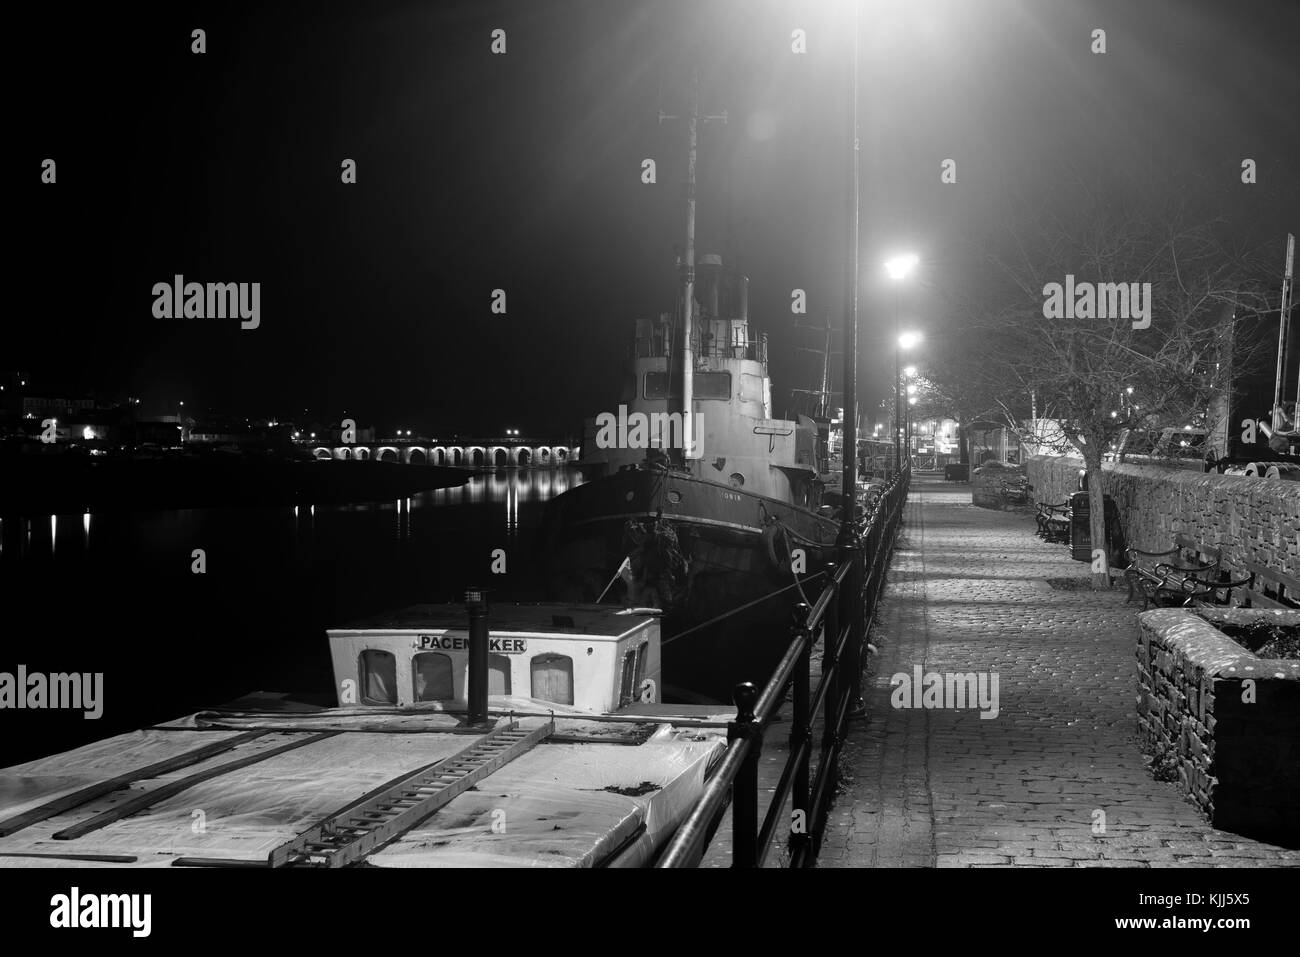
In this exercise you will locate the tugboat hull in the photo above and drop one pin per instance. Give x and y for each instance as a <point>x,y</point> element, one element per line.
<point>727,618</point>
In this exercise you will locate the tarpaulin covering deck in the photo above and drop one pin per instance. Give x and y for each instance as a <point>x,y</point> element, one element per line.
<point>559,804</point>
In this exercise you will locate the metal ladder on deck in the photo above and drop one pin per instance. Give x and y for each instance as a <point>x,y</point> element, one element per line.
<point>349,835</point>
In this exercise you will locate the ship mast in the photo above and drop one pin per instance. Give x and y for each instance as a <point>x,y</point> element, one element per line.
<point>688,272</point>
<point>687,263</point>
<point>824,408</point>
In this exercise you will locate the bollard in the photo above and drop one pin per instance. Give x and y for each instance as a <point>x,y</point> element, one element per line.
<point>476,605</point>
<point>744,790</point>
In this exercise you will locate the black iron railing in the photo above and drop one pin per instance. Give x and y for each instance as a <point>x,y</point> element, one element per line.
<point>840,618</point>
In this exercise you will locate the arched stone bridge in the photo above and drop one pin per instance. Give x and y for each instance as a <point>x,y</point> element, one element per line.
<point>478,456</point>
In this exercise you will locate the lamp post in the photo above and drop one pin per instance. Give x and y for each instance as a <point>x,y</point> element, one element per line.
<point>898,268</point>
<point>849,425</point>
<point>904,340</point>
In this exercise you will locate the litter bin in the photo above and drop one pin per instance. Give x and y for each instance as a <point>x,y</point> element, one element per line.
<point>1081,530</point>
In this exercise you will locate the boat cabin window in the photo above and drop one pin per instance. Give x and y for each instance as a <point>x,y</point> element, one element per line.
<point>553,678</point>
<point>499,674</point>
<point>378,677</point>
<point>432,675</point>
<point>751,387</point>
<point>707,385</point>
<point>657,385</point>
<point>633,675</point>
<point>713,385</point>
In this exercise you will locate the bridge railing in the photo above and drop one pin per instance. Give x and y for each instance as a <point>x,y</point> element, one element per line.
<point>840,618</point>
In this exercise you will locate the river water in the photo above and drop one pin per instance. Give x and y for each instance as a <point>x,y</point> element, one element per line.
<point>118,594</point>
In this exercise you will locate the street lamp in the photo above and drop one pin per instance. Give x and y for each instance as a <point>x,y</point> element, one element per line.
<point>898,268</point>
<point>904,340</point>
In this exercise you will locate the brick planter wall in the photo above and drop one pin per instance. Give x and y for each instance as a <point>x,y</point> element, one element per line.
<point>986,484</point>
<point>1253,520</point>
<point>1238,761</point>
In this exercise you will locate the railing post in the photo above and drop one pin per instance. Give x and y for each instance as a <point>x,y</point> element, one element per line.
<point>830,661</point>
<point>857,635</point>
<point>744,790</point>
<point>801,733</point>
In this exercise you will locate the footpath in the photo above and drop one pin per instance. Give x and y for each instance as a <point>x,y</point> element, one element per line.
<point>1057,778</point>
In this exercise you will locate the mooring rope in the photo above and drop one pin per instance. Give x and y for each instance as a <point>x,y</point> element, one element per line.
<point>740,608</point>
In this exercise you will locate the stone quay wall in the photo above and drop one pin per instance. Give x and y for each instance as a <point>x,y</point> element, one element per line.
<point>1250,519</point>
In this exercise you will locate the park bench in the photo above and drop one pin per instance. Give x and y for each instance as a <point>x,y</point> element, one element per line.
<point>1053,521</point>
<point>1016,490</point>
<point>1214,591</point>
<point>1272,588</point>
<point>1257,587</point>
<point>1172,576</point>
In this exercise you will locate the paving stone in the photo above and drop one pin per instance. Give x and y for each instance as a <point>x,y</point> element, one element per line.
<point>967,592</point>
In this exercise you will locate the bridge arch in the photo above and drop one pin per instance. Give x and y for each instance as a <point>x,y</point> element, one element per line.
<point>438,455</point>
<point>322,454</point>
<point>523,457</point>
<point>361,453</point>
<point>416,455</point>
<point>388,453</point>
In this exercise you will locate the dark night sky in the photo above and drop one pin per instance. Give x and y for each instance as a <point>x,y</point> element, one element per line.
<point>522,171</point>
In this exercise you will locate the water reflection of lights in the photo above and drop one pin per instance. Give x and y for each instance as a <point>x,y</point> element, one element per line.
<point>85,526</point>
<point>54,532</point>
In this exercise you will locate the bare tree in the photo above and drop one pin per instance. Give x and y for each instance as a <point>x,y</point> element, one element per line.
<point>1120,319</point>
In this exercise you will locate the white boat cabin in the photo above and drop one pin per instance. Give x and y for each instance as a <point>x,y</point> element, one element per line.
<point>594,658</point>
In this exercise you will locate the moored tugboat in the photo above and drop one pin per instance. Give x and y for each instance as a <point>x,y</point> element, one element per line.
<point>717,523</point>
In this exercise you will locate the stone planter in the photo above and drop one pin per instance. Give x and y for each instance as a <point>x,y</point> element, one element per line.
<point>1228,721</point>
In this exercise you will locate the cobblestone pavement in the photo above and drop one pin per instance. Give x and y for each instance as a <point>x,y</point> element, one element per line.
<point>967,591</point>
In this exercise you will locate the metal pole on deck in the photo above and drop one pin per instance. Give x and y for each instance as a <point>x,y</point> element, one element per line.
<point>476,605</point>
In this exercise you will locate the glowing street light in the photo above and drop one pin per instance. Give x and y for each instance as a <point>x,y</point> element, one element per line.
<point>910,371</point>
<point>907,340</point>
<point>900,266</point>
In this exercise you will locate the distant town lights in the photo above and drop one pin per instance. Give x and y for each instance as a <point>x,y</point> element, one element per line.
<point>910,371</point>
